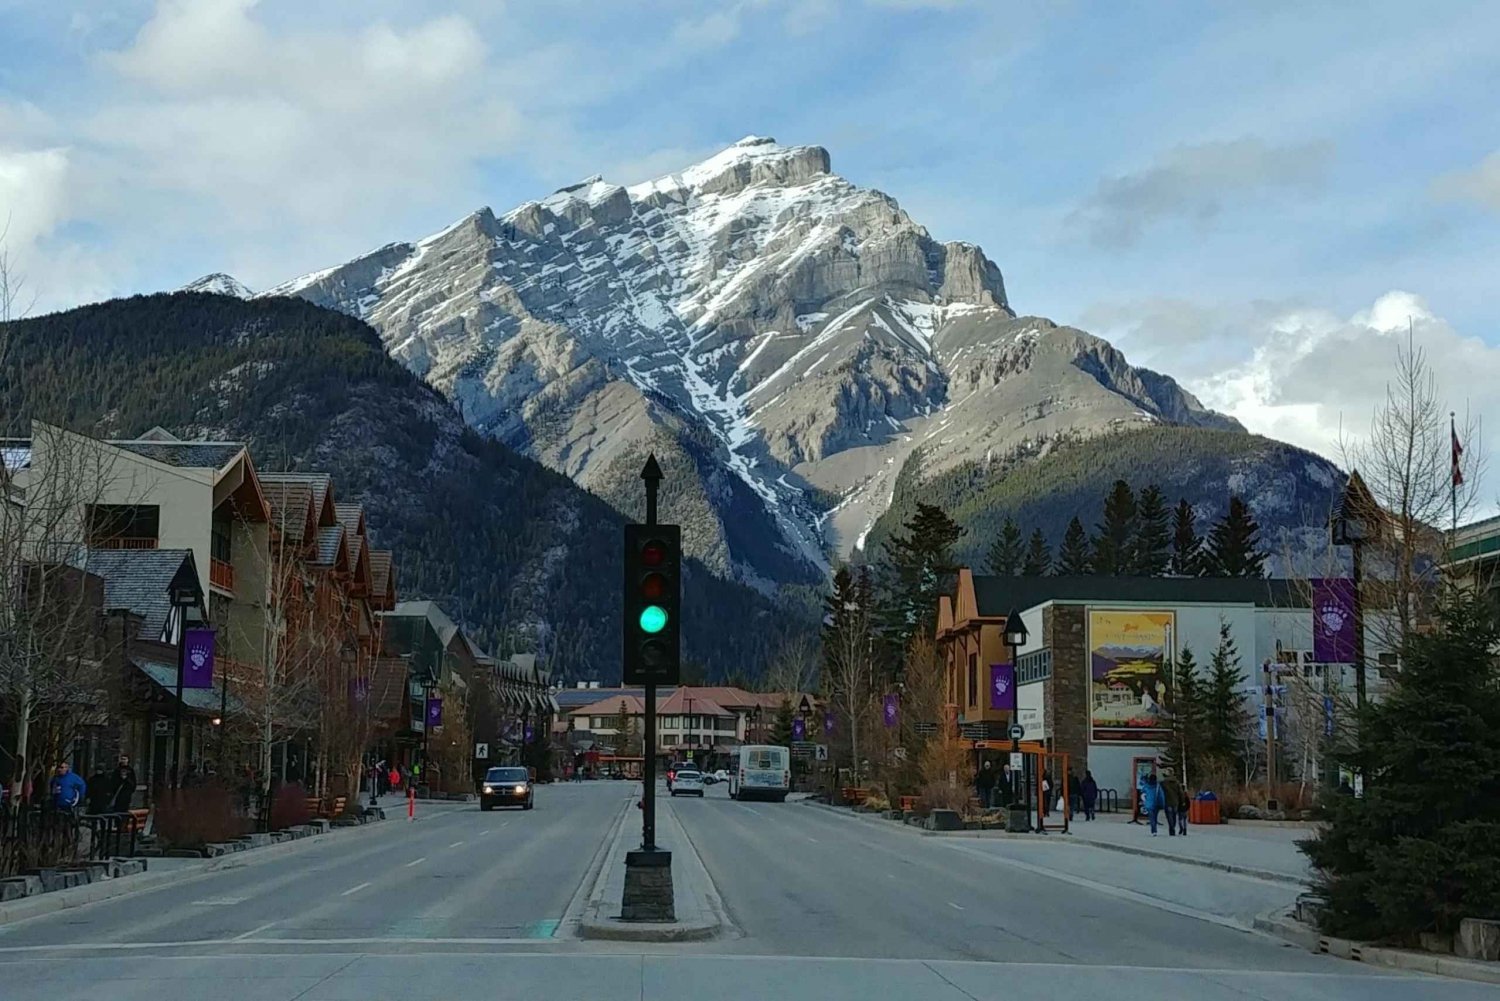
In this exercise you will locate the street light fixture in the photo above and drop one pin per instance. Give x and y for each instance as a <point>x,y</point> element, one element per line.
<point>183,593</point>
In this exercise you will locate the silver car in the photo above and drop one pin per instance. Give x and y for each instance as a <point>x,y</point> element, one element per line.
<point>689,782</point>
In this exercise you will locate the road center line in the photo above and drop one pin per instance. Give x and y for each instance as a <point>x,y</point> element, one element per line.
<point>455,844</point>
<point>954,906</point>
<point>812,839</point>
<point>253,931</point>
<point>416,861</point>
<point>354,889</point>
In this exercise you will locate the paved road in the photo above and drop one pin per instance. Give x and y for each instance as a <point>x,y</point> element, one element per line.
<point>464,905</point>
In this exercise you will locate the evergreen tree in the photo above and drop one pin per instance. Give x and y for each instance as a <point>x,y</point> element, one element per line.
<point>1073,557</point>
<point>1224,714</point>
<point>1038,559</point>
<point>1116,533</point>
<point>627,740</point>
<point>781,730</point>
<point>1189,738</point>
<point>1004,558</point>
<point>915,567</point>
<point>1234,544</point>
<point>1187,544</point>
<point>1420,850</point>
<point>1148,557</point>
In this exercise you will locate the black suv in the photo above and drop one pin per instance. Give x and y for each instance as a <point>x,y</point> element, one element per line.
<point>506,787</point>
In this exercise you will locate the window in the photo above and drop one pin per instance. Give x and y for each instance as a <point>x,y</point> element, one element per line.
<point>1034,666</point>
<point>668,739</point>
<point>506,775</point>
<point>973,680</point>
<point>599,723</point>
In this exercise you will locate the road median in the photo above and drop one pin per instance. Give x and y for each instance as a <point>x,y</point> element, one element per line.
<point>696,902</point>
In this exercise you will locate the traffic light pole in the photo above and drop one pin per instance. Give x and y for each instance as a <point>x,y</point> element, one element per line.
<point>652,475</point>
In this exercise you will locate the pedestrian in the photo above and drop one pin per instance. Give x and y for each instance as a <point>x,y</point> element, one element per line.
<point>1046,793</point>
<point>1152,801</point>
<point>1088,791</point>
<point>984,785</point>
<point>101,792</point>
<point>122,785</point>
<point>1174,800</point>
<point>67,788</point>
<point>1075,792</point>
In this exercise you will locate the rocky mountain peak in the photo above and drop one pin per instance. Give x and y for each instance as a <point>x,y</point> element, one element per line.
<point>783,337</point>
<point>219,283</point>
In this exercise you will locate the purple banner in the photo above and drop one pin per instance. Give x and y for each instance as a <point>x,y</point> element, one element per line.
<point>434,711</point>
<point>828,724</point>
<point>359,691</point>
<point>892,710</point>
<point>198,658</point>
<point>527,734</point>
<point>799,729</point>
<point>1003,686</point>
<point>1333,620</point>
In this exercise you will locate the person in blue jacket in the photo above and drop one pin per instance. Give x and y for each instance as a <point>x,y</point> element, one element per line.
<point>1152,800</point>
<point>68,788</point>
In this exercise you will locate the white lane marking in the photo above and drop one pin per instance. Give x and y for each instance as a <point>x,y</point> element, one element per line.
<point>484,832</point>
<point>890,875</point>
<point>455,844</point>
<point>353,890</point>
<point>416,861</point>
<point>812,839</point>
<point>954,906</point>
<point>252,931</point>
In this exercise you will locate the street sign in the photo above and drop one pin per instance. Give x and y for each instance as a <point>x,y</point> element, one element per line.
<point>482,751</point>
<point>161,727</point>
<point>924,729</point>
<point>1017,731</point>
<point>822,750</point>
<point>1017,761</point>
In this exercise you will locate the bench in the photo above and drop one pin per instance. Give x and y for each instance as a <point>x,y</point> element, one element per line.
<point>315,807</point>
<point>135,822</point>
<point>855,796</point>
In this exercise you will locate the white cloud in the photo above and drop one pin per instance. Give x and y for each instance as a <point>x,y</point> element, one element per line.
<point>33,185</point>
<point>1194,182</point>
<point>1479,184</point>
<point>710,31</point>
<point>1306,374</point>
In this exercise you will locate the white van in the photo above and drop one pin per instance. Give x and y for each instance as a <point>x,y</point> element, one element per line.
<point>762,772</point>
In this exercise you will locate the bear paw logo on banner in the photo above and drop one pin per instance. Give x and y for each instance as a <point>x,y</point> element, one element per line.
<point>1001,686</point>
<point>199,657</point>
<point>1332,617</point>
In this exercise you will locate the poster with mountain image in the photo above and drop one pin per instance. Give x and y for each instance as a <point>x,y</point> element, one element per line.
<point>1128,696</point>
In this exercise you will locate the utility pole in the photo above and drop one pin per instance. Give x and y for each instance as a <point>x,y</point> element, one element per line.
<point>1268,715</point>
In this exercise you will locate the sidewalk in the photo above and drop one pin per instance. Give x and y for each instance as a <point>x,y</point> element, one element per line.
<point>1266,852</point>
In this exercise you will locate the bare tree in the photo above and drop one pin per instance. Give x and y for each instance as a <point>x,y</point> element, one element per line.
<point>849,653</point>
<point>793,668</point>
<point>51,638</point>
<point>15,304</point>
<point>1406,461</point>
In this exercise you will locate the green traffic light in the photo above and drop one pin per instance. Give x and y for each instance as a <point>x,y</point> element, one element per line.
<point>653,619</point>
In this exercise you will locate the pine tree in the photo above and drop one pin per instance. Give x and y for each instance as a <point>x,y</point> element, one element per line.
<point>1116,533</point>
<point>915,567</point>
<point>1420,850</point>
<point>1004,557</point>
<point>1148,557</point>
<point>1234,544</point>
<point>1073,557</point>
<point>1224,712</point>
<point>1189,721</point>
<point>1038,559</point>
<point>781,730</point>
<point>1187,544</point>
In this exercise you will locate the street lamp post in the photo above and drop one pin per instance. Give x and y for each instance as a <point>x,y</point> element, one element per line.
<point>1351,528</point>
<point>184,595</point>
<point>1015,638</point>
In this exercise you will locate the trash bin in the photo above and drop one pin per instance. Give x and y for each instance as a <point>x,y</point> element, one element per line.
<point>1204,809</point>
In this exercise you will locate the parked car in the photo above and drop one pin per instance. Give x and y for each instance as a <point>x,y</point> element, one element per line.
<point>689,782</point>
<point>506,787</point>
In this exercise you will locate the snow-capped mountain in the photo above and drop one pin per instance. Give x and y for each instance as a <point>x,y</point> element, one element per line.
<point>785,340</point>
<point>219,283</point>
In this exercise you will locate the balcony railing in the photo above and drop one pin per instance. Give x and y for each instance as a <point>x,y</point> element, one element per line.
<point>125,542</point>
<point>221,574</point>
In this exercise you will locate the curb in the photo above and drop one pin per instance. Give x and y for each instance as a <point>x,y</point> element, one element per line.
<point>80,896</point>
<point>1282,926</point>
<point>1270,875</point>
<point>593,925</point>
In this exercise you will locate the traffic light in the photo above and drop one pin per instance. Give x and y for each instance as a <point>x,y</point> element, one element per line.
<point>653,602</point>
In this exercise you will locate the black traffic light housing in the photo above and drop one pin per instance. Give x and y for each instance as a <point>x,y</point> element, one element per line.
<point>653,604</point>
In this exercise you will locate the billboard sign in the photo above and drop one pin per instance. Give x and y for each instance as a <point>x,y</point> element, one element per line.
<point>1129,655</point>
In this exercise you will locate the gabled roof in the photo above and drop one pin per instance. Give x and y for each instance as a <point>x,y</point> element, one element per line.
<point>331,546</point>
<point>291,506</point>
<point>634,706</point>
<point>213,455</point>
<point>387,687</point>
<point>432,612</point>
<point>321,487</point>
<point>204,700</point>
<point>351,516</point>
<point>140,581</point>
<point>381,565</point>
<point>685,701</point>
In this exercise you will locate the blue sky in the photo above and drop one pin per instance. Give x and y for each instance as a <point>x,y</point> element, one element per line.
<point>1234,193</point>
